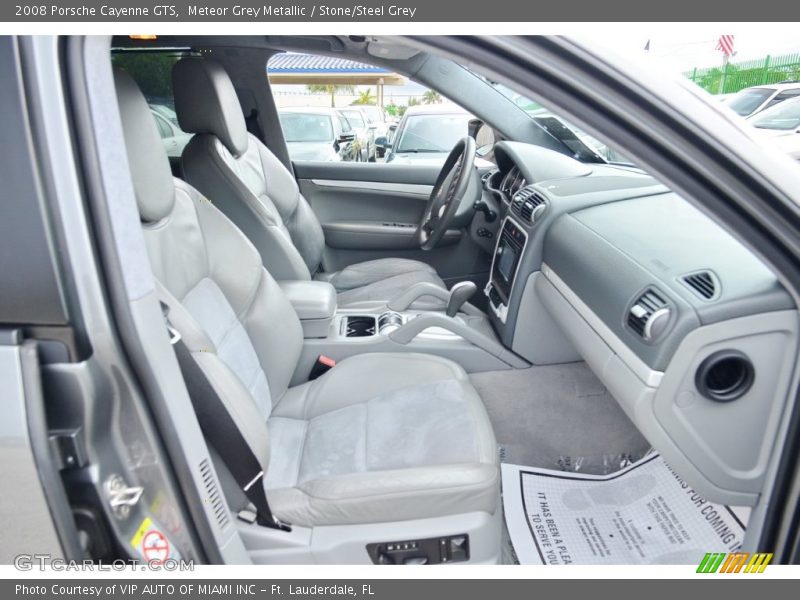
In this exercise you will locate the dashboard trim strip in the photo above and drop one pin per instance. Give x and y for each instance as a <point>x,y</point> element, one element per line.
<point>650,377</point>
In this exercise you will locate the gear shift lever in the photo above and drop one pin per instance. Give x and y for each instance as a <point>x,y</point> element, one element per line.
<point>459,294</point>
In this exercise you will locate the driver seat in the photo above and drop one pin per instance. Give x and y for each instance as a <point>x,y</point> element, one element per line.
<point>258,193</point>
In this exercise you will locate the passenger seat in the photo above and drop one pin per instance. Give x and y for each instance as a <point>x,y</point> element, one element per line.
<point>379,439</point>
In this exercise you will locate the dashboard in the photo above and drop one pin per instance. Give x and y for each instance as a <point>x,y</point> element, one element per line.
<point>691,332</point>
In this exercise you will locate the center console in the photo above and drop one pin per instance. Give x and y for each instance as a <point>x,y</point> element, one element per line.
<point>399,325</point>
<point>505,264</point>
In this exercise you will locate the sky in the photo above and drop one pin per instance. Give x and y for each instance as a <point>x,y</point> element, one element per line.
<point>681,47</point>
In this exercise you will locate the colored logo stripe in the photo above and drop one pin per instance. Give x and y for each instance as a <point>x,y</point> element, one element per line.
<point>714,562</point>
<point>711,562</point>
<point>758,563</point>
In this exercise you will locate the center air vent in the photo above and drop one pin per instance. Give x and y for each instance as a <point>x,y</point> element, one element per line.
<point>702,283</point>
<point>528,204</point>
<point>649,315</point>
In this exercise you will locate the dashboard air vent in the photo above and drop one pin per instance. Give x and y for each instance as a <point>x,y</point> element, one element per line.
<point>702,283</point>
<point>649,315</point>
<point>528,204</point>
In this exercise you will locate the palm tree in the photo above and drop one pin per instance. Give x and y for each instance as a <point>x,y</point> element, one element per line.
<point>365,97</point>
<point>330,88</point>
<point>431,97</point>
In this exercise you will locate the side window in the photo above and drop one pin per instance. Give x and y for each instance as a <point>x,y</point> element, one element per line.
<point>364,99</point>
<point>783,96</point>
<point>344,123</point>
<point>355,118</point>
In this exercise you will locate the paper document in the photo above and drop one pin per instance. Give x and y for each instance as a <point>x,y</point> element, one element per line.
<point>644,514</point>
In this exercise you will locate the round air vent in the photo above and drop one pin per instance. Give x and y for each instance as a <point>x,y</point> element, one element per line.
<point>725,376</point>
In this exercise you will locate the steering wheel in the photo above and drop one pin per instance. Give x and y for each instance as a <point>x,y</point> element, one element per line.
<point>447,194</point>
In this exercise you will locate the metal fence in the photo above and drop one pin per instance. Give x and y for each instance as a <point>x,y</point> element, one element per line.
<point>735,76</point>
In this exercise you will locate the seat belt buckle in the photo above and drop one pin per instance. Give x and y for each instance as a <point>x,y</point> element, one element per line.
<point>322,366</point>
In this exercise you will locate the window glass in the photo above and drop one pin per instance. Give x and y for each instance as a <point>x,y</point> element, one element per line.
<point>345,124</point>
<point>746,101</point>
<point>431,132</point>
<point>152,71</point>
<point>784,116</point>
<point>368,100</point>
<point>788,94</point>
<point>306,127</point>
<point>354,117</point>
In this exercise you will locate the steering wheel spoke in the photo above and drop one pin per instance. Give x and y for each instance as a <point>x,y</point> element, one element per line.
<point>448,193</point>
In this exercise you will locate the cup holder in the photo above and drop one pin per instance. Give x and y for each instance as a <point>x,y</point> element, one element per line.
<point>359,327</point>
<point>725,376</point>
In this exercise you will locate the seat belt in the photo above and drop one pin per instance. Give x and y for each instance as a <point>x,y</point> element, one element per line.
<point>221,431</point>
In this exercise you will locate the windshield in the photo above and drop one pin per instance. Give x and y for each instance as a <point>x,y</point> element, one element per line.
<point>747,101</point>
<point>355,118</point>
<point>432,133</point>
<point>306,127</point>
<point>783,116</point>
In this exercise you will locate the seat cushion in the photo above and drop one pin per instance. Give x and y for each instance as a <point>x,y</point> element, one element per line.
<point>379,438</point>
<point>382,280</point>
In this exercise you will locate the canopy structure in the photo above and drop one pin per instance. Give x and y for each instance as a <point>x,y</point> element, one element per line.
<point>309,69</point>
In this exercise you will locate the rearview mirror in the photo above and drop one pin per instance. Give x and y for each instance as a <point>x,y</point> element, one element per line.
<point>346,137</point>
<point>382,142</point>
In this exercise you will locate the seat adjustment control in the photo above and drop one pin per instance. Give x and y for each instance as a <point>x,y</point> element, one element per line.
<point>430,551</point>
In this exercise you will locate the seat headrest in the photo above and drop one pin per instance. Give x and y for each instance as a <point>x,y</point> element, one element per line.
<point>207,103</point>
<point>149,164</point>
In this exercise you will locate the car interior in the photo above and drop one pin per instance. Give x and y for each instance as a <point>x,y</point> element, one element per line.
<point>381,337</point>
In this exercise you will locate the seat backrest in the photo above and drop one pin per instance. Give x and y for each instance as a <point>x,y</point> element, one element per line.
<point>232,315</point>
<point>240,175</point>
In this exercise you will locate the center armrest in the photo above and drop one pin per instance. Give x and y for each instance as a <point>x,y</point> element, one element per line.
<point>314,302</point>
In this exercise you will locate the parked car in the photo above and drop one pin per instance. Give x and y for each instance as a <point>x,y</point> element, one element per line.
<point>781,124</point>
<point>365,132</point>
<point>752,100</point>
<point>172,136</point>
<point>318,133</point>
<point>426,134</point>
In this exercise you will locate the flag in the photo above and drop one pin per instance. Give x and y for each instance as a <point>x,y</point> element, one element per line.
<point>647,46</point>
<point>725,44</point>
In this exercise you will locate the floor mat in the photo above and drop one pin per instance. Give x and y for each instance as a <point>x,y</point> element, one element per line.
<point>559,417</point>
<point>644,514</point>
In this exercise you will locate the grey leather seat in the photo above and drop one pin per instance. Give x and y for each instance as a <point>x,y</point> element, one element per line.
<point>258,193</point>
<point>379,438</point>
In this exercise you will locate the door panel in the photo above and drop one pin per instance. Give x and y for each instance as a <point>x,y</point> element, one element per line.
<point>336,200</point>
<point>370,211</point>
